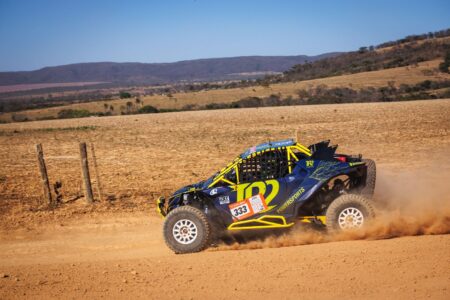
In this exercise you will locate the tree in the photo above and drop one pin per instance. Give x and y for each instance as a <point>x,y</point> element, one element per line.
<point>444,66</point>
<point>265,83</point>
<point>147,109</point>
<point>124,95</point>
<point>73,113</point>
<point>105,106</point>
<point>362,49</point>
<point>129,106</point>
<point>139,102</point>
<point>111,108</point>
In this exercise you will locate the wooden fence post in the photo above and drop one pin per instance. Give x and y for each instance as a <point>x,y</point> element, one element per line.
<point>44,175</point>
<point>97,176</point>
<point>85,172</point>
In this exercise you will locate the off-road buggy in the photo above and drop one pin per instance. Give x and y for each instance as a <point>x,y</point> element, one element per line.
<point>270,186</point>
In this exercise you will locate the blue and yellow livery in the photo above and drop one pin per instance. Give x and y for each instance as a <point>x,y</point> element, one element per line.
<point>269,186</point>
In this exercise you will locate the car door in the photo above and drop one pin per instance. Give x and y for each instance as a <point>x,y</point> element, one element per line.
<point>262,181</point>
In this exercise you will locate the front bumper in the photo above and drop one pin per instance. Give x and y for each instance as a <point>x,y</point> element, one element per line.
<point>161,206</point>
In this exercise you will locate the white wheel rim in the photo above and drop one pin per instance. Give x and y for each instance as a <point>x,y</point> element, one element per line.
<point>351,218</point>
<point>185,231</point>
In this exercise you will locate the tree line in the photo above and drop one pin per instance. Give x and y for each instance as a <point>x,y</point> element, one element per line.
<point>320,94</point>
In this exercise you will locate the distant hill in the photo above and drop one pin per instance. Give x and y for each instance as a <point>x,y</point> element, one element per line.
<point>213,69</point>
<point>408,51</point>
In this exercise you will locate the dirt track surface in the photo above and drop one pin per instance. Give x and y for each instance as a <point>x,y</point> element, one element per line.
<point>125,257</point>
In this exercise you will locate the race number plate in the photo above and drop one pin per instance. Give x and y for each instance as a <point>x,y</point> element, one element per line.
<point>248,207</point>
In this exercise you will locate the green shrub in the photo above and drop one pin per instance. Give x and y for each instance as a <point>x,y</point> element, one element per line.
<point>147,109</point>
<point>444,66</point>
<point>19,118</point>
<point>124,95</point>
<point>73,113</point>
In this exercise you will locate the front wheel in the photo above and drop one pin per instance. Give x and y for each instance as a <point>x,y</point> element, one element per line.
<point>186,230</point>
<point>349,212</point>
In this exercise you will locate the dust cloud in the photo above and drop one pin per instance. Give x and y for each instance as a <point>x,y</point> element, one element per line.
<point>409,203</point>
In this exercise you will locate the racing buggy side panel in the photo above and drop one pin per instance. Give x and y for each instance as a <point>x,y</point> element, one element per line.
<point>272,185</point>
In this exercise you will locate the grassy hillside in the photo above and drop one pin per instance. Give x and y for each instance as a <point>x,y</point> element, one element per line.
<point>396,76</point>
<point>408,69</point>
<point>370,59</point>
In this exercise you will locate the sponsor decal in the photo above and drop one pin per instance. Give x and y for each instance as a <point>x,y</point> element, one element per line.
<point>324,170</point>
<point>309,163</point>
<point>213,192</point>
<point>291,200</point>
<point>248,207</point>
<point>224,200</point>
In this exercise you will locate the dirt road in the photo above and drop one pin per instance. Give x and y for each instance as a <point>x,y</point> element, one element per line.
<point>125,257</point>
<point>404,254</point>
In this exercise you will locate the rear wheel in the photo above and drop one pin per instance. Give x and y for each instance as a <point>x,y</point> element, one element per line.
<point>369,189</point>
<point>186,230</point>
<point>349,212</point>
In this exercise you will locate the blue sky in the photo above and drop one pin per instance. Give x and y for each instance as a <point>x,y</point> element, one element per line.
<point>35,34</point>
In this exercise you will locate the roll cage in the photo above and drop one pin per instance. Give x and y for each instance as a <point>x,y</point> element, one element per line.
<point>256,162</point>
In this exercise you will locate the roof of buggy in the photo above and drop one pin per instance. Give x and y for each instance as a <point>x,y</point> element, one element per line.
<point>268,145</point>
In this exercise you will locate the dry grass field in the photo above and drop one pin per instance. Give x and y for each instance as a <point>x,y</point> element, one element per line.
<point>403,75</point>
<point>143,156</point>
<point>115,249</point>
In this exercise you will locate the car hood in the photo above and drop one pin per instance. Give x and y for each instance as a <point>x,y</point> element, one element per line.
<point>187,188</point>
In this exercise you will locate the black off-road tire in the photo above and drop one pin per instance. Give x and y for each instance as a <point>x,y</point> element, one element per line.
<point>195,216</point>
<point>346,203</point>
<point>369,189</point>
